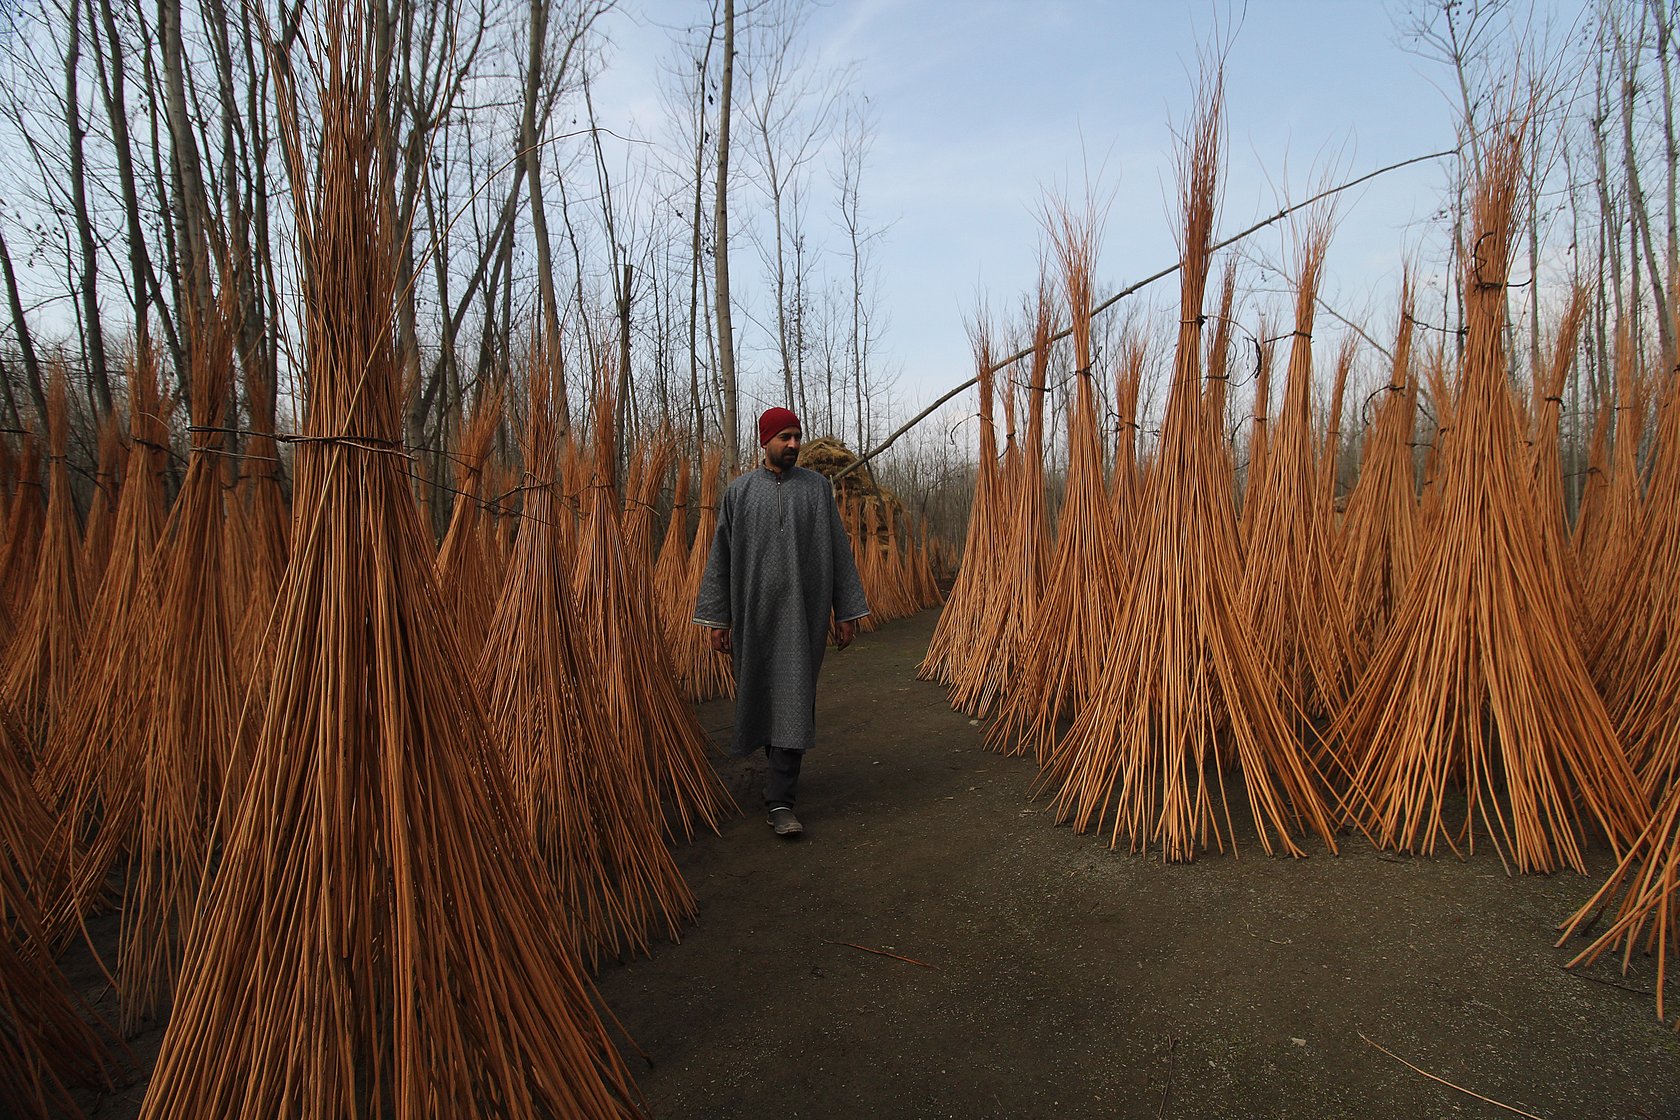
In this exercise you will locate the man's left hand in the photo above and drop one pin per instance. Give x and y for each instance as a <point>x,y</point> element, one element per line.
<point>844,632</point>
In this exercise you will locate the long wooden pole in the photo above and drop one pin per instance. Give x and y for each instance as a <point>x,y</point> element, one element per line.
<point>1124,292</point>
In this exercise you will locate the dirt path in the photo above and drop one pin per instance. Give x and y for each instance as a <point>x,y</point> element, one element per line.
<point>1059,978</point>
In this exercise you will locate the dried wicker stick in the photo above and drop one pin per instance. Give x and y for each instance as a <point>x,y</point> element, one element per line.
<point>378,938</point>
<point>1143,757</point>
<point>1478,678</point>
<point>582,789</point>
<point>638,686</point>
<point>40,662</point>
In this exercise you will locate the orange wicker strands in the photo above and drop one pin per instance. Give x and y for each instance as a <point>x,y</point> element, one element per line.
<point>262,496</point>
<point>1289,589</point>
<point>1075,616</point>
<point>1023,560</point>
<point>702,673</point>
<point>1379,530</point>
<point>1546,458</point>
<point>1597,482</point>
<point>638,682</point>
<point>379,938</point>
<point>1478,677</point>
<point>40,662</point>
<point>953,635</point>
<point>922,573</point>
<point>1125,483</point>
<point>24,529</point>
<point>1607,551</point>
<point>1640,661</point>
<point>466,566</point>
<point>655,456</point>
<point>583,790</point>
<point>102,513</point>
<point>1330,455</point>
<point>1144,753</point>
<point>190,695</point>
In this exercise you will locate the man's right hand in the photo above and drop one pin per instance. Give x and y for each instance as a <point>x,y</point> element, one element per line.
<point>721,642</point>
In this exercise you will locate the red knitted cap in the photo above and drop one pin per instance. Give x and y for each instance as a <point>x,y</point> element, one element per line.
<point>773,421</point>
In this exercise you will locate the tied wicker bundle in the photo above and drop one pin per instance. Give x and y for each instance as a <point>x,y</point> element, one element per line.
<point>1479,679</point>
<point>1073,623</point>
<point>1288,588</point>
<point>1607,550</point>
<point>638,684</point>
<point>1021,569</point>
<point>379,937</point>
<point>1379,531</point>
<point>1546,460</point>
<point>88,772</point>
<point>40,662</point>
<point>583,791</point>
<point>1642,894</point>
<point>190,696</point>
<point>968,605</point>
<point>1183,672</point>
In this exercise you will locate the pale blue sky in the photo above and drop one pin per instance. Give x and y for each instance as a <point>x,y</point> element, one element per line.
<point>983,106</point>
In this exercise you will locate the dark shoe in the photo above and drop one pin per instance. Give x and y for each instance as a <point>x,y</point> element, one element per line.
<point>784,823</point>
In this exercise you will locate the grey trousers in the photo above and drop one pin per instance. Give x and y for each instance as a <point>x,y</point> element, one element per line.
<point>783,781</point>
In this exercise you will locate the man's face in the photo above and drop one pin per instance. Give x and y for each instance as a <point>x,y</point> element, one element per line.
<point>782,451</point>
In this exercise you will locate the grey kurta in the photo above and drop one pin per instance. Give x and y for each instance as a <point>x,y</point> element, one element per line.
<point>780,564</point>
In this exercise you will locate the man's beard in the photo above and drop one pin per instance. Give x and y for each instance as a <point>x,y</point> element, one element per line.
<point>789,457</point>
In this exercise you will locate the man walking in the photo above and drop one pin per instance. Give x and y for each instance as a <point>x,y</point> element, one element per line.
<point>780,565</point>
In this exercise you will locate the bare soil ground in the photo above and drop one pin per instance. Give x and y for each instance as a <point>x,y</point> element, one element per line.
<point>1056,977</point>
<point>1037,973</point>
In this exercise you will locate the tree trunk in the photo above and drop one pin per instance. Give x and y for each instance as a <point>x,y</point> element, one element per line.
<point>725,325</point>
<point>26,342</point>
<point>86,242</point>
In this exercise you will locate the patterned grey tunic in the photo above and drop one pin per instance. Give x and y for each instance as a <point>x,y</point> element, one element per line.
<point>780,564</point>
